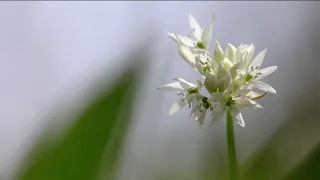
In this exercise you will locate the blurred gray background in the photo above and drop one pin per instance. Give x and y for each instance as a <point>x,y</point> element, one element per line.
<point>50,51</point>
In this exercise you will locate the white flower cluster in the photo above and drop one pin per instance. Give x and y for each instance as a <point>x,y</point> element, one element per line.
<point>230,77</point>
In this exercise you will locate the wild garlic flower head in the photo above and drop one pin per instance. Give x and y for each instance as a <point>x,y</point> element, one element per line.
<point>230,77</point>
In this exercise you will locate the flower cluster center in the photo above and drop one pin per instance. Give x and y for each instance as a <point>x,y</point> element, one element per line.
<point>230,102</point>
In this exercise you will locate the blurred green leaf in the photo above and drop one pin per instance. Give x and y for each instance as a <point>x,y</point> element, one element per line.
<point>78,154</point>
<point>308,169</point>
<point>282,152</point>
<point>290,145</point>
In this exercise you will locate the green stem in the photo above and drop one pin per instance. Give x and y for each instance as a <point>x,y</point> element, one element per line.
<point>233,165</point>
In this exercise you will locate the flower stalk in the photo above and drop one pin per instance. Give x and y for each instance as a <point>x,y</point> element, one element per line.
<point>232,154</point>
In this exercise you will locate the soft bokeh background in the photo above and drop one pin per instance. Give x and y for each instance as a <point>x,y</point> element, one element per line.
<point>50,52</point>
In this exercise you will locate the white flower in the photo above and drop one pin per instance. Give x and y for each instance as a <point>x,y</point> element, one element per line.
<point>253,74</point>
<point>185,51</point>
<point>203,64</point>
<point>233,56</point>
<point>244,68</point>
<point>202,36</point>
<point>189,93</point>
<point>220,82</point>
<point>234,102</point>
<point>229,76</point>
<point>200,108</point>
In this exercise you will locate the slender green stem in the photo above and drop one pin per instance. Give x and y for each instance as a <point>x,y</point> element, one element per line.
<point>233,165</point>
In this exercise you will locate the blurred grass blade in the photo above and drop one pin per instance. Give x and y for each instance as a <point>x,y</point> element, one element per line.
<point>288,147</point>
<point>78,154</point>
<point>308,169</point>
<point>283,152</point>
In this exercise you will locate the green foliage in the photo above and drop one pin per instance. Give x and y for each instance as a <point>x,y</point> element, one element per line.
<point>94,139</point>
<point>291,152</point>
<point>308,169</point>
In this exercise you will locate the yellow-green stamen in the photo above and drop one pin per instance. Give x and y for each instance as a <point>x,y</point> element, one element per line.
<point>248,77</point>
<point>200,45</point>
<point>192,90</point>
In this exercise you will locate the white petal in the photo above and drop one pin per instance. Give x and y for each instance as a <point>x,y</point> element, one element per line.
<point>240,52</point>
<point>204,57</point>
<point>249,57</point>
<point>247,104</point>
<point>212,25</point>
<point>206,38</point>
<point>192,98</point>
<point>237,115</point>
<point>199,84</point>
<point>227,63</point>
<point>207,34</point>
<point>231,52</point>
<point>244,55</point>
<point>199,68</point>
<point>219,97</point>
<point>241,93</point>
<point>211,82</point>
<point>238,83</point>
<point>225,83</point>
<point>196,50</point>
<point>187,55</point>
<point>185,40</point>
<point>257,61</point>
<point>177,106</point>
<point>221,71</point>
<point>242,64</point>
<point>263,86</point>
<point>202,115</point>
<point>266,72</point>
<point>218,53</point>
<point>233,70</point>
<point>255,96</point>
<point>185,84</point>
<point>217,116</point>
<point>196,29</point>
<point>258,105</point>
<point>195,107</point>
<point>175,86</point>
<point>228,82</point>
<point>173,37</point>
<point>240,46</point>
